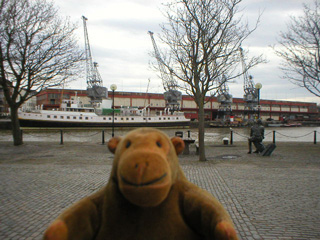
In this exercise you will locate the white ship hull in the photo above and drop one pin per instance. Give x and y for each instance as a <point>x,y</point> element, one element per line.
<point>45,118</point>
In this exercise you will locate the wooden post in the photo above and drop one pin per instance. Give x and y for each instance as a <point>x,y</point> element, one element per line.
<point>231,137</point>
<point>102,137</point>
<point>315,137</point>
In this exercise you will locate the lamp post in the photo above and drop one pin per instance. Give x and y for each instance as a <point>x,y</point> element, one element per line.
<point>113,87</point>
<point>258,86</point>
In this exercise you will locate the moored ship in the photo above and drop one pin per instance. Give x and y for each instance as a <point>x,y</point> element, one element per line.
<point>73,114</point>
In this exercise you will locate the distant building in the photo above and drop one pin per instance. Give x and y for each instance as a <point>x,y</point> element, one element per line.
<point>270,109</point>
<point>52,98</point>
<point>4,106</point>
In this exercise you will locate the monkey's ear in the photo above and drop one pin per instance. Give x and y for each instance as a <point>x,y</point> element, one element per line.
<point>178,144</point>
<point>113,143</point>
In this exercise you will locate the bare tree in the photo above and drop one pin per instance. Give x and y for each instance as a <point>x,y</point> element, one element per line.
<point>203,39</point>
<point>37,50</point>
<point>300,49</point>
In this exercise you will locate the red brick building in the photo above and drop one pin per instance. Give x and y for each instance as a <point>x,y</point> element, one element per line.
<point>273,109</point>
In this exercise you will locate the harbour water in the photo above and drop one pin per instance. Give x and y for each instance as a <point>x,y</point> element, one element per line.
<point>212,135</point>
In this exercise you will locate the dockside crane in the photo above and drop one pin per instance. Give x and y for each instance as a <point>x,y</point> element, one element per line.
<point>250,96</point>
<point>95,89</point>
<point>224,98</point>
<point>172,96</point>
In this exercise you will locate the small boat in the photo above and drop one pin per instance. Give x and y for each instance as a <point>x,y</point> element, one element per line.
<point>74,114</point>
<point>221,124</point>
<point>292,125</point>
<point>275,125</point>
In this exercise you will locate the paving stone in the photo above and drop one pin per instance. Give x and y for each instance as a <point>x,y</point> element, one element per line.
<point>273,197</point>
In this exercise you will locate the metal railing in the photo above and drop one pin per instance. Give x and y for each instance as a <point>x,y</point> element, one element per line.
<point>61,133</point>
<point>274,135</point>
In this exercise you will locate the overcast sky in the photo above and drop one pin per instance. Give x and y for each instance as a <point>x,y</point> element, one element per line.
<point>121,46</point>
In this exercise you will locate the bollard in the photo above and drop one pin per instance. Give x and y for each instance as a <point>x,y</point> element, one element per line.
<point>21,133</point>
<point>315,137</point>
<point>231,137</point>
<point>61,137</point>
<point>274,137</point>
<point>102,137</point>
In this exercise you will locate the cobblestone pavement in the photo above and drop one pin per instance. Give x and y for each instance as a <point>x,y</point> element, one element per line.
<point>274,197</point>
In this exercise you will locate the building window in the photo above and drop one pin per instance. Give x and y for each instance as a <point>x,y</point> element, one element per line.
<point>87,118</point>
<point>68,117</point>
<point>54,116</point>
<point>132,118</point>
<point>80,117</point>
<point>74,117</point>
<point>104,118</point>
<point>61,117</point>
<point>48,116</point>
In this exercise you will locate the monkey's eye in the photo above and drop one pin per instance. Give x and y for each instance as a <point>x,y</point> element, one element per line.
<point>128,144</point>
<point>158,144</point>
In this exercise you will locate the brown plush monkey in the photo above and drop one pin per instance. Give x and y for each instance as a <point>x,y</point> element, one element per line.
<point>147,198</point>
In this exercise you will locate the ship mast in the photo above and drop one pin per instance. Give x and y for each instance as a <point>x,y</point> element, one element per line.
<point>95,88</point>
<point>172,95</point>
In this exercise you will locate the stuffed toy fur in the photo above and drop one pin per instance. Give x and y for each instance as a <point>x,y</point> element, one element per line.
<point>147,198</point>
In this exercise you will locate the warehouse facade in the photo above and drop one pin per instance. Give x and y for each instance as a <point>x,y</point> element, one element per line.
<point>269,109</point>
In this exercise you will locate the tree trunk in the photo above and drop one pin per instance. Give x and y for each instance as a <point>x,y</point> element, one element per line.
<point>202,154</point>
<point>15,124</point>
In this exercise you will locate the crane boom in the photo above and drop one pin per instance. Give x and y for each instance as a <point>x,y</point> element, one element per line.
<point>172,95</point>
<point>250,92</point>
<point>167,79</point>
<point>248,84</point>
<point>95,89</point>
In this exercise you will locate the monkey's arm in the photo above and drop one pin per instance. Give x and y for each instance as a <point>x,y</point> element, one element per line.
<point>80,221</point>
<point>207,216</point>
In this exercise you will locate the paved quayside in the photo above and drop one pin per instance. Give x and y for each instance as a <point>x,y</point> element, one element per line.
<point>274,197</point>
